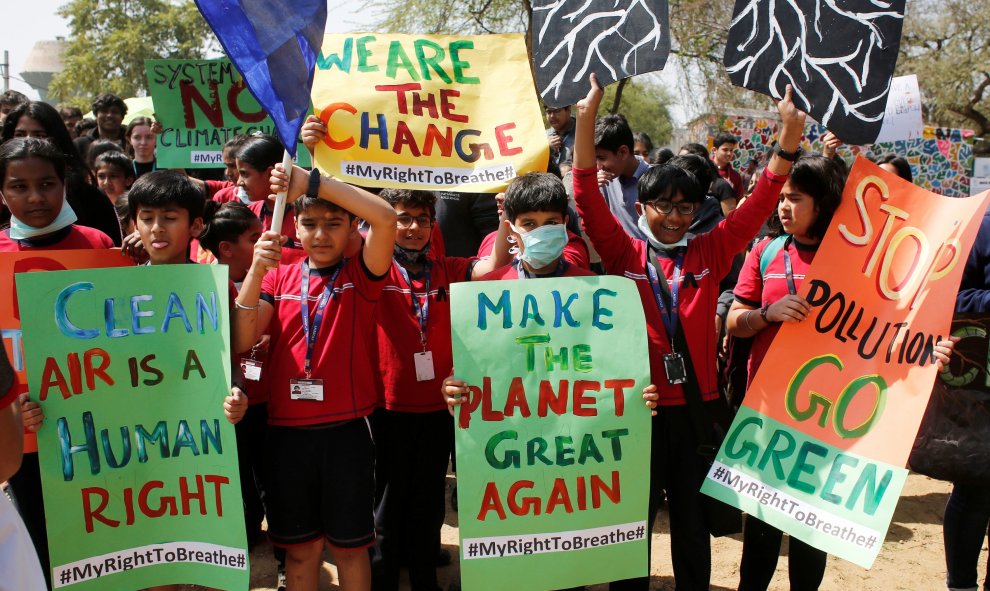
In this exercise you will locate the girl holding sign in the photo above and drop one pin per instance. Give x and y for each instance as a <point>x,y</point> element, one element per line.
<point>33,190</point>
<point>765,297</point>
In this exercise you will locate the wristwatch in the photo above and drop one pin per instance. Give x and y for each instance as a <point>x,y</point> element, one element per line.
<point>763,313</point>
<point>313,190</point>
<point>790,156</point>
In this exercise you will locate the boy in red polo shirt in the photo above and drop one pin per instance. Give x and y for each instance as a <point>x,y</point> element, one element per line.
<point>413,432</point>
<point>536,207</point>
<point>678,277</point>
<point>319,313</point>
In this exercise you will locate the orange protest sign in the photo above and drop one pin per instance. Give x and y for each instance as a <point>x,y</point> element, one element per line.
<point>819,446</point>
<point>10,317</point>
<point>882,285</point>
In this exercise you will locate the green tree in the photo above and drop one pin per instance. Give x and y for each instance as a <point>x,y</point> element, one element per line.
<point>946,43</point>
<point>110,39</point>
<point>645,106</point>
<point>451,17</point>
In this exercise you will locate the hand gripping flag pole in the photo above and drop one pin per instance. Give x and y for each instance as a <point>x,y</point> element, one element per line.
<point>265,36</point>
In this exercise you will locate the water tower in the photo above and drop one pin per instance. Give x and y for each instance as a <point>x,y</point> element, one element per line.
<point>44,61</point>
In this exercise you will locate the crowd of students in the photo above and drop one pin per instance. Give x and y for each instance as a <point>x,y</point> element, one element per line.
<point>341,321</point>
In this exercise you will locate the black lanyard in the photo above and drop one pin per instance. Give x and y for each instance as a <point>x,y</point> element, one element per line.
<point>422,311</point>
<point>788,269</point>
<point>321,304</point>
<point>653,272</point>
<point>154,166</point>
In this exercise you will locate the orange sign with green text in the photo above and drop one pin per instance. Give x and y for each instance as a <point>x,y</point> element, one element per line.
<point>819,446</point>
<point>10,317</point>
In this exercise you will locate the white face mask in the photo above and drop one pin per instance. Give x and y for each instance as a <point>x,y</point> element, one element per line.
<point>644,227</point>
<point>65,218</point>
<point>242,194</point>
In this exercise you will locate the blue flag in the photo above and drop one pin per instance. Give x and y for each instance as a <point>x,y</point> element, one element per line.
<point>262,37</point>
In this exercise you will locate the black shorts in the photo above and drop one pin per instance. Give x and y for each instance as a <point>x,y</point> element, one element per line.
<point>320,481</point>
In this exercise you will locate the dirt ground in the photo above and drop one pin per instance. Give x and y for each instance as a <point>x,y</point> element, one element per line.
<point>911,559</point>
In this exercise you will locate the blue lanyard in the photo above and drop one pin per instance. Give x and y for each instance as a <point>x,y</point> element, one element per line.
<point>788,270</point>
<point>668,315</point>
<point>562,266</point>
<point>422,311</point>
<point>321,304</point>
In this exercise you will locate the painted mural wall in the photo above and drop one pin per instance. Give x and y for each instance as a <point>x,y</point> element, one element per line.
<point>941,161</point>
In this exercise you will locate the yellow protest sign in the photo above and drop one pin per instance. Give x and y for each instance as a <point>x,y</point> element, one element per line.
<point>457,113</point>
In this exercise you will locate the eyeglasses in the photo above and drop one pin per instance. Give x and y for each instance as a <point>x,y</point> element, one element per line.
<point>406,221</point>
<point>665,207</point>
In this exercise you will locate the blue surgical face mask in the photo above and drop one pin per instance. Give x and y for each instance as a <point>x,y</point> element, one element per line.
<point>21,231</point>
<point>542,246</point>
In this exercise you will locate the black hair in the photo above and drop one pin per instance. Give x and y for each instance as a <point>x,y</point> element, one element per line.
<point>224,222</point>
<point>30,147</point>
<point>261,151</point>
<point>612,132</point>
<point>666,181</point>
<point>77,173</point>
<point>724,138</point>
<point>49,118</point>
<point>702,168</point>
<point>118,159</point>
<point>695,148</point>
<point>105,100</point>
<point>535,191</point>
<point>235,143</point>
<point>99,148</point>
<point>305,202</point>
<point>67,111</point>
<point>822,180</point>
<point>411,198</point>
<point>85,124</point>
<point>643,138</point>
<point>12,98</point>
<point>661,155</point>
<point>902,166</point>
<point>160,188</point>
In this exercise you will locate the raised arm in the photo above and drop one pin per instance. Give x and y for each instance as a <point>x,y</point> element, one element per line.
<point>584,132</point>
<point>375,211</point>
<point>607,235</point>
<point>500,255</point>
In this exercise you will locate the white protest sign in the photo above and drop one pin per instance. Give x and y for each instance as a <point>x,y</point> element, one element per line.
<point>902,120</point>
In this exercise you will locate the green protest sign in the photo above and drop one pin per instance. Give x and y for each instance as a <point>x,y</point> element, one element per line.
<point>553,441</point>
<point>138,463</point>
<point>201,104</point>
